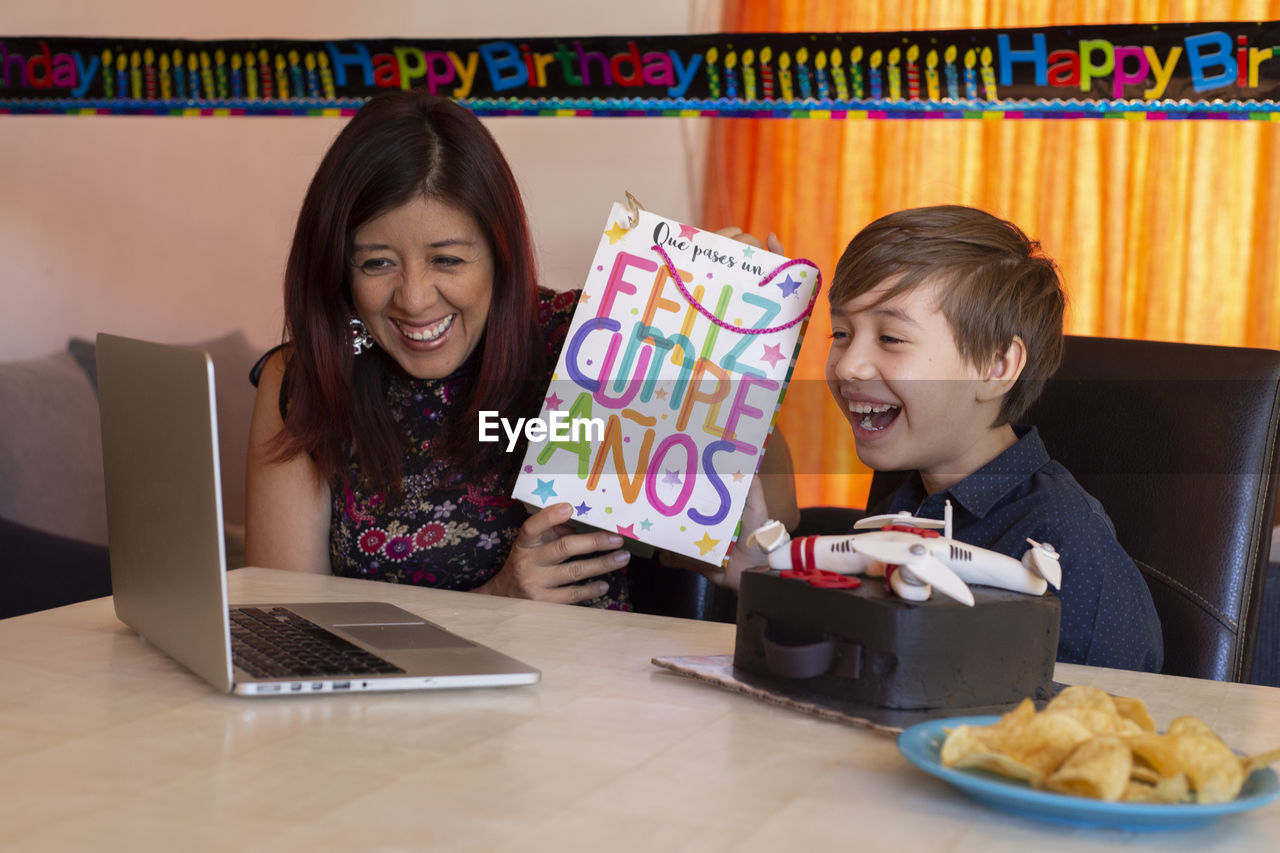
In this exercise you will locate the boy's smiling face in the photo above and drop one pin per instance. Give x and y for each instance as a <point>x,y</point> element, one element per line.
<point>914,402</point>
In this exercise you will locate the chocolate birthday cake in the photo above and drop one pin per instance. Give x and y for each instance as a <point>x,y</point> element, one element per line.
<point>868,646</point>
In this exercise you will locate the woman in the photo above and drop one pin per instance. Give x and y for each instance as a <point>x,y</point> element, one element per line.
<point>411,304</point>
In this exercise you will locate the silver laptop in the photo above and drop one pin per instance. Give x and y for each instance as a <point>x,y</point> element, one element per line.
<point>168,557</point>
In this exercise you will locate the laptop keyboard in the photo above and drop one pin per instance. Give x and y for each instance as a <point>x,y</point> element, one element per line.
<point>278,643</point>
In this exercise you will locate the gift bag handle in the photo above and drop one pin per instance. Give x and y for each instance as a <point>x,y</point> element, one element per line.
<point>675,276</point>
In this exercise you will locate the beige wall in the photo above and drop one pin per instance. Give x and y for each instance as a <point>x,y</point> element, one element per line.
<point>176,229</point>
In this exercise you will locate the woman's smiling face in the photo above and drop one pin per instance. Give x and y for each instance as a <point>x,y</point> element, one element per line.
<point>422,283</point>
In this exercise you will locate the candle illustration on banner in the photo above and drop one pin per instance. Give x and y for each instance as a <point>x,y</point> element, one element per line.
<point>313,83</point>
<point>837,74</point>
<point>749,74</point>
<point>855,71</point>
<point>326,76</point>
<point>282,78</point>
<point>802,73</point>
<point>970,76</point>
<point>913,73</point>
<point>820,69</point>
<point>179,76</point>
<point>766,72</point>
<point>250,76</point>
<point>931,76</point>
<point>894,74</point>
<point>166,84</point>
<point>206,75</point>
<point>295,75</point>
<point>784,76</point>
<point>135,75</point>
<point>108,82</point>
<point>237,76</point>
<point>731,73</point>
<point>713,73</point>
<point>193,76</point>
<point>953,77</point>
<point>988,75</point>
<point>220,68</point>
<point>873,74</point>
<point>149,73</point>
<point>122,76</point>
<point>264,71</point>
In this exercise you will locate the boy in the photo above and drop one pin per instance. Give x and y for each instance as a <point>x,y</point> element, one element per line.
<point>945,322</point>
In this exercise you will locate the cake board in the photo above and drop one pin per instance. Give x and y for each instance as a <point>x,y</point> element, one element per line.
<point>719,670</point>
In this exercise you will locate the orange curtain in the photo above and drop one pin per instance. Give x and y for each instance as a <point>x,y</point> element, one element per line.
<point>1163,230</point>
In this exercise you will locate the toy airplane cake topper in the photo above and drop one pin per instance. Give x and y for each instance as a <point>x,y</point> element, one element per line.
<point>914,558</point>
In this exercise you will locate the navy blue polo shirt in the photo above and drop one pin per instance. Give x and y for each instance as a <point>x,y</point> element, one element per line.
<point>1108,618</point>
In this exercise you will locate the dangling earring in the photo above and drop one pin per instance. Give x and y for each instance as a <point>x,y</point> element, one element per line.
<point>361,340</point>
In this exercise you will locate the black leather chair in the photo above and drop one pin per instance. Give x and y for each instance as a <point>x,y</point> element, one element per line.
<point>1179,443</point>
<point>668,591</point>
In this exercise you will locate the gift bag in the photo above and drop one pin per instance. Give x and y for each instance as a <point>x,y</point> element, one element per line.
<point>669,383</point>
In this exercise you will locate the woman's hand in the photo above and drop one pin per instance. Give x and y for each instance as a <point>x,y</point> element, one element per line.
<point>542,564</point>
<point>771,243</point>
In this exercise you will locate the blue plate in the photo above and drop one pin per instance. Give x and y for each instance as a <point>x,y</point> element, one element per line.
<point>922,743</point>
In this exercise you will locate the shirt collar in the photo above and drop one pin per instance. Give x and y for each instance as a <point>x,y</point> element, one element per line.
<point>984,488</point>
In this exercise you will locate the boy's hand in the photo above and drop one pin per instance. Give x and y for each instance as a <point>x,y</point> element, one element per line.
<point>744,558</point>
<point>748,558</point>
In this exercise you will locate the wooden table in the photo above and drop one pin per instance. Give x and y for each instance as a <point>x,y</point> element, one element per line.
<point>106,744</point>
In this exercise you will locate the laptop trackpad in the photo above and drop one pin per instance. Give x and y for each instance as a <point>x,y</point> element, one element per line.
<point>405,636</point>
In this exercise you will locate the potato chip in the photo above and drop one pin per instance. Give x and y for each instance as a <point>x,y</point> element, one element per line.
<point>1187,725</point>
<point>1157,752</point>
<point>1140,772</point>
<point>1009,726</point>
<point>998,762</point>
<point>1173,789</point>
<point>964,741</point>
<point>1098,711</point>
<point>1215,772</point>
<point>1101,722</point>
<point>1262,759</point>
<point>1088,743</point>
<point>1139,792</point>
<point>1082,696</point>
<point>1098,768</point>
<point>982,747</point>
<point>1135,710</point>
<point>1045,741</point>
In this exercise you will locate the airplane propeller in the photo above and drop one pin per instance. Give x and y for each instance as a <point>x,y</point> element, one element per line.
<point>904,517</point>
<point>1042,559</point>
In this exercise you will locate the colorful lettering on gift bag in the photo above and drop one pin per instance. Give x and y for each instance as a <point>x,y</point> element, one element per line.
<point>681,346</point>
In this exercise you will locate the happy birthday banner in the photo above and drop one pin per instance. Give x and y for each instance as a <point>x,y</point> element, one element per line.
<point>1187,70</point>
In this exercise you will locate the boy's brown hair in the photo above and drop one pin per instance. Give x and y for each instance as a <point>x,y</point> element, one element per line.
<point>993,283</point>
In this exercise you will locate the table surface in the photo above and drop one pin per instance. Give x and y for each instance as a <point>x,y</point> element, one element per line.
<point>106,744</point>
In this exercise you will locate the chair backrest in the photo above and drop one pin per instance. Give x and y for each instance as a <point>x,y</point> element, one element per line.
<point>1179,443</point>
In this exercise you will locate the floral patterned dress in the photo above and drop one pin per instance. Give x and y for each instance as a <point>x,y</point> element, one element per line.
<point>448,532</point>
